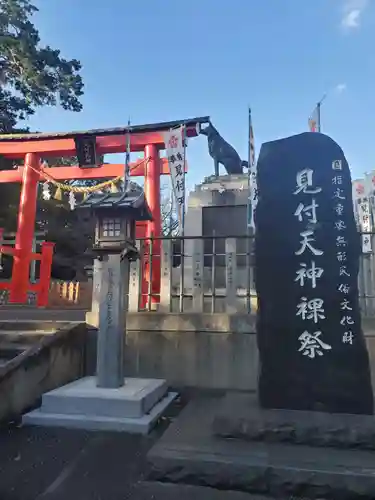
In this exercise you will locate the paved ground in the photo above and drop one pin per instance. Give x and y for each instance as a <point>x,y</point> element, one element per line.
<point>189,453</point>
<point>56,464</point>
<point>60,464</point>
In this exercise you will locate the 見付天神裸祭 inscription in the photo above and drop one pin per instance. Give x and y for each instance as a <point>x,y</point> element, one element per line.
<point>312,349</point>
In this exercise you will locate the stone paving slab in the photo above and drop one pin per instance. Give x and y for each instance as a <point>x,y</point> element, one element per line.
<point>160,491</point>
<point>251,422</point>
<point>188,453</point>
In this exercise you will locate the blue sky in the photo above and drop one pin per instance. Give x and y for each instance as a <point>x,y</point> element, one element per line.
<point>166,60</point>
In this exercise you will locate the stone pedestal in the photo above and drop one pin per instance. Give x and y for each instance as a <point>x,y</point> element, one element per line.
<point>134,407</point>
<point>217,207</point>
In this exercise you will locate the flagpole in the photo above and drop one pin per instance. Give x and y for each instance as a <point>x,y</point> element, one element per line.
<point>318,116</point>
<point>127,159</point>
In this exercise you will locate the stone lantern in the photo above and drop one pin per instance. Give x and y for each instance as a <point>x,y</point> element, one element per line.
<point>114,247</point>
<point>109,401</point>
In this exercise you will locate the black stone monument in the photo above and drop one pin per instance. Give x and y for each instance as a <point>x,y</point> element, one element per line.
<point>313,354</point>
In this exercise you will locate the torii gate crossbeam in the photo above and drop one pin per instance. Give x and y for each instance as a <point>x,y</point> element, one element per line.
<point>33,147</point>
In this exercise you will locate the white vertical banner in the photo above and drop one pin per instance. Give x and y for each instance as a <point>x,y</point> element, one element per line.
<point>370,186</point>
<point>365,224</point>
<point>362,211</point>
<point>358,191</point>
<point>252,178</point>
<point>253,196</point>
<point>369,201</point>
<point>174,144</point>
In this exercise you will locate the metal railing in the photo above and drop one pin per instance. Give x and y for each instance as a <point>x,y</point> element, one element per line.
<point>211,274</point>
<point>197,274</point>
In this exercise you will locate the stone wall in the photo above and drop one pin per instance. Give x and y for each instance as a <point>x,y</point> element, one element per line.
<point>56,360</point>
<point>216,351</point>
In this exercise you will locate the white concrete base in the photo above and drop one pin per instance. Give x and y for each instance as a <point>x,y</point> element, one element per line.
<point>134,408</point>
<point>135,398</point>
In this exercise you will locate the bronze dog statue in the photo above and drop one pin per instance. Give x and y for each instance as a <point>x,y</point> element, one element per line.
<point>222,152</point>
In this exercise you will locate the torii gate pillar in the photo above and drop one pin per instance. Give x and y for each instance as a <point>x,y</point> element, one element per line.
<point>152,192</point>
<point>25,229</point>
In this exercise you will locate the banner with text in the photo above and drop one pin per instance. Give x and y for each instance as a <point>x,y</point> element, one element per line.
<point>363,211</point>
<point>174,144</point>
<point>252,178</point>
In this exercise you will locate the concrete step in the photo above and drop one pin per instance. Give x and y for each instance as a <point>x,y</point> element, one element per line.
<point>16,324</point>
<point>18,336</point>
<point>11,350</point>
<point>14,342</point>
<point>27,338</point>
<point>22,313</point>
<point>189,453</point>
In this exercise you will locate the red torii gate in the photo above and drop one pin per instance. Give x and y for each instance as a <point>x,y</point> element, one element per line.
<point>32,147</point>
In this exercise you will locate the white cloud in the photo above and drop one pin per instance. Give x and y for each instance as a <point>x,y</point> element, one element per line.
<point>351,19</point>
<point>340,88</point>
<point>352,13</point>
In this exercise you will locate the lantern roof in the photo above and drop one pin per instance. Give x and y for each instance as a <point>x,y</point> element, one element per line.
<point>133,201</point>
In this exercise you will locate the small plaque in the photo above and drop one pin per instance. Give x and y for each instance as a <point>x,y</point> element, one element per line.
<point>337,165</point>
<point>86,151</point>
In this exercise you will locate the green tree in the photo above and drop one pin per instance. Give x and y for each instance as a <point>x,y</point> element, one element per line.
<point>31,75</point>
